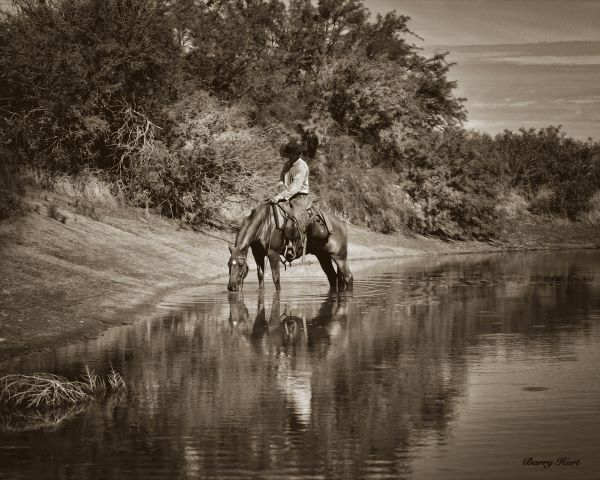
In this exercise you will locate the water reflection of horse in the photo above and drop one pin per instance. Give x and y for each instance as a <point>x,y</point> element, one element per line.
<point>285,336</point>
<point>259,232</point>
<point>286,327</point>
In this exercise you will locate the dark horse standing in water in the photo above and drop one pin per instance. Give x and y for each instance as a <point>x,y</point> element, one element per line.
<point>259,233</point>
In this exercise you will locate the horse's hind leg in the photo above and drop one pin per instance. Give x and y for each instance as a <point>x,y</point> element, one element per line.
<point>344,276</point>
<point>327,266</point>
<point>340,281</point>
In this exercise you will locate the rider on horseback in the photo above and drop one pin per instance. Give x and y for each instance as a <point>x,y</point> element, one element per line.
<point>293,186</point>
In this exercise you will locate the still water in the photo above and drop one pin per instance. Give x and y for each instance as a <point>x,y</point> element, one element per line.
<point>454,368</point>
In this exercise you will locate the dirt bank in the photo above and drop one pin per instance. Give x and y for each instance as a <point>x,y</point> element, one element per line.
<point>68,271</point>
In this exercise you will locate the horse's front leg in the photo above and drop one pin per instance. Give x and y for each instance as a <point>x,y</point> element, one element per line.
<point>274,262</point>
<point>259,258</point>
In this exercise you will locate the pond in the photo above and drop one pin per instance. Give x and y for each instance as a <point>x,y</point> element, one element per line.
<point>450,367</point>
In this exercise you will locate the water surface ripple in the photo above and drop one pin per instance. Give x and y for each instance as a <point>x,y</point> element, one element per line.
<point>455,367</point>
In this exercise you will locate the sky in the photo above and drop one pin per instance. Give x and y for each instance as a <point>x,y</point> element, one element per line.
<point>520,63</point>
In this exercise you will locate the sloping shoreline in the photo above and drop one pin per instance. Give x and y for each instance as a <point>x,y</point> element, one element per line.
<point>67,275</point>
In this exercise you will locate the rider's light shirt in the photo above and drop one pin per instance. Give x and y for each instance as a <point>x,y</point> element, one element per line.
<point>295,179</point>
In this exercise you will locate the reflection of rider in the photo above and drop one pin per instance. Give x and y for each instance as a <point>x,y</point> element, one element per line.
<point>293,184</point>
<point>317,330</point>
<point>293,371</point>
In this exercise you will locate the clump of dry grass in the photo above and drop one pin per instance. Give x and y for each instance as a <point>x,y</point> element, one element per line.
<point>42,390</point>
<point>30,419</point>
<point>592,216</point>
<point>116,382</point>
<point>55,214</point>
<point>88,187</point>
<point>47,391</point>
<point>511,205</point>
<point>541,201</point>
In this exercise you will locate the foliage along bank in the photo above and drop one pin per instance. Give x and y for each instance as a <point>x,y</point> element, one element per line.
<point>183,105</point>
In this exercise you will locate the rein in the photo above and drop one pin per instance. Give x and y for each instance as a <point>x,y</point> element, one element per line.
<point>244,260</point>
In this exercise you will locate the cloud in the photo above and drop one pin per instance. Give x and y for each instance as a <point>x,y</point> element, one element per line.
<point>549,60</point>
<point>584,100</point>
<point>551,53</point>
<point>507,103</point>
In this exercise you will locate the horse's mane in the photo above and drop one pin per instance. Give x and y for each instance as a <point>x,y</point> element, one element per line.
<point>253,226</point>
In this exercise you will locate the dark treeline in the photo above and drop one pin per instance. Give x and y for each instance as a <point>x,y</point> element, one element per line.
<point>183,104</point>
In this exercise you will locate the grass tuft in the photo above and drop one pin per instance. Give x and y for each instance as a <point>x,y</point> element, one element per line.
<point>116,381</point>
<point>88,188</point>
<point>512,206</point>
<point>41,390</point>
<point>47,391</point>
<point>55,214</point>
<point>592,216</point>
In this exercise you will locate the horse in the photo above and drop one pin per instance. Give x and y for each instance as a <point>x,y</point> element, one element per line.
<point>259,232</point>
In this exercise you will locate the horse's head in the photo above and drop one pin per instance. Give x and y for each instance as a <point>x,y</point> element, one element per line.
<point>238,269</point>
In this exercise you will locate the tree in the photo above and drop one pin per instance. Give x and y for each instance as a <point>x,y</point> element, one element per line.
<point>73,68</point>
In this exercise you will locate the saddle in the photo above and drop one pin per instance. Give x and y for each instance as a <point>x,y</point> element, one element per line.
<point>294,239</point>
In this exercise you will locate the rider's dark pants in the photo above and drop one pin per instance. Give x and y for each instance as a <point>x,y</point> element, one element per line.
<point>298,204</point>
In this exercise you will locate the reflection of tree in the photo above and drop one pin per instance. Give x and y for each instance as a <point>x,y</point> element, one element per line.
<point>283,334</point>
<point>384,388</point>
<point>218,383</point>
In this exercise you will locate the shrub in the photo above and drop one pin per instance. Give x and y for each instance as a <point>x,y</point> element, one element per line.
<point>69,69</point>
<point>592,215</point>
<point>348,184</point>
<point>92,187</point>
<point>559,174</point>
<point>213,154</point>
<point>542,201</point>
<point>512,206</point>
<point>447,176</point>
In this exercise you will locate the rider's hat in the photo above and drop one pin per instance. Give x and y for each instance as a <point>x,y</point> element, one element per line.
<point>291,150</point>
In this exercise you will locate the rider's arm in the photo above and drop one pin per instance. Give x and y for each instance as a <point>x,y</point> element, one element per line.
<point>300,176</point>
<point>284,169</point>
<point>281,183</point>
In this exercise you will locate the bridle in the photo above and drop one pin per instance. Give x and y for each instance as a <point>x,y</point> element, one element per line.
<point>238,258</point>
<point>236,261</point>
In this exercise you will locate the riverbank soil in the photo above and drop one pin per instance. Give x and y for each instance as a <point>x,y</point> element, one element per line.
<point>69,271</point>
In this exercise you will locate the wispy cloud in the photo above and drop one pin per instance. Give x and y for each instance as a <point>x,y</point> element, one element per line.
<point>555,53</point>
<point>502,104</point>
<point>513,86</point>
<point>585,100</point>
<point>549,60</point>
<point>461,22</point>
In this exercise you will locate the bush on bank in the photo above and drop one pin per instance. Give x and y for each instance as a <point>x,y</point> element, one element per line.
<point>183,105</point>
